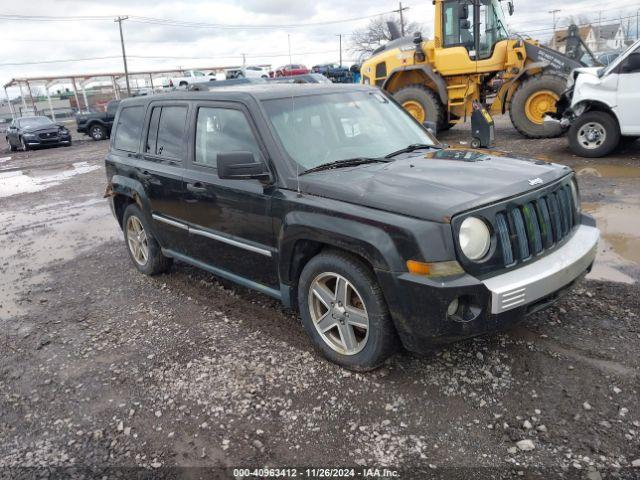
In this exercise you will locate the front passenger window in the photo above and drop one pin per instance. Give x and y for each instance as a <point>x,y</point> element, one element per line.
<point>632,63</point>
<point>222,130</point>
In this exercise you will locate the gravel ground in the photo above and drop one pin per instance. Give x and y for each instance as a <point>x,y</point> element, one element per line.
<point>105,373</point>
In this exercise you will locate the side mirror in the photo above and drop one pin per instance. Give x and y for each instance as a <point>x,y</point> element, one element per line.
<point>240,166</point>
<point>510,8</point>
<point>432,127</point>
<point>631,64</point>
<point>463,12</point>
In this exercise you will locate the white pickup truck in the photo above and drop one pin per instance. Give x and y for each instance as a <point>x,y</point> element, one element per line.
<point>602,105</point>
<point>191,77</point>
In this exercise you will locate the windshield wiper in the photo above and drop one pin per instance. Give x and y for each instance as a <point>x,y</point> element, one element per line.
<point>410,148</point>
<point>349,162</point>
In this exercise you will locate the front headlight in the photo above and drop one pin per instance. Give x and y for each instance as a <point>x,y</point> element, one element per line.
<point>474,238</point>
<point>575,195</point>
<point>29,135</point>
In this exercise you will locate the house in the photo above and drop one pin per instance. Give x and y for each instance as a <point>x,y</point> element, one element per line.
<point>599,38</point>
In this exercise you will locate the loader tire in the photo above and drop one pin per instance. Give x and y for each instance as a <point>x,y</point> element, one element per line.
<point>535,97</point>
<point>422,103</point>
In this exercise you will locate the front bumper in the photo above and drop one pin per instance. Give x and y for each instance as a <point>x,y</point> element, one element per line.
<point>419,304</point>
<point>52,141</point>
<point>544,276</point>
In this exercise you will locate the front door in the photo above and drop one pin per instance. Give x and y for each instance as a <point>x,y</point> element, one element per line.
<point>230,220</point>
<point>629,93</point>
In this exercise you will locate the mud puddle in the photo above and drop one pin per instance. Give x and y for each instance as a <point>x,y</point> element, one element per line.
<point>619,249</point>
<point>46,234</point>
<point>26,181</point>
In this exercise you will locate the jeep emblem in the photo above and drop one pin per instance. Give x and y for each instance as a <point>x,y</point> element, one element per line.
<point>535,181</point>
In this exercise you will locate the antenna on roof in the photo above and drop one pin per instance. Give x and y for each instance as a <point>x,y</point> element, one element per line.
<point>293,109</point>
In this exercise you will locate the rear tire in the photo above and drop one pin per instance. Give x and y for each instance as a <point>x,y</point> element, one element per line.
<point>345,341</point>
<point>594,134</point>
<point>423,104</point>
<point>532,100</point>
<point>97,132</point>
<point>144,250</point>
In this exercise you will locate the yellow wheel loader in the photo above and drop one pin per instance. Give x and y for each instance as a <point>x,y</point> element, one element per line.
<point>471,58</point>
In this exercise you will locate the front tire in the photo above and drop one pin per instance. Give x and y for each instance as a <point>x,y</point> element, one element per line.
<point>594,134</point>
<point>344,312</point>
<point>534,98</point>
<point>422,103</point>
<point>97,132</point>
<point>144,250</point>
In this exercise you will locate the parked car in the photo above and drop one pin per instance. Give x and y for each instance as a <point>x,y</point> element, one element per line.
<point>602,105</point>
<point>334,72</point>
<point>190,77</point>
<point>26,133</point>
<point>308,78</point>
<point>252,71</point>
<point>290,70</point>
<point>335,201</point>
<point>97,124</point>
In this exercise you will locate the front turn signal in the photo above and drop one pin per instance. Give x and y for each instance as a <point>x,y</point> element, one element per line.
<point>434,269</point>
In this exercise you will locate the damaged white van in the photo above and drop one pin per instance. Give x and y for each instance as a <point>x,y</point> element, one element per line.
<point>601,107</point>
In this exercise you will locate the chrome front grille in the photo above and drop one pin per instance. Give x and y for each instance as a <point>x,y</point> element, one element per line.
<point>528,229</point>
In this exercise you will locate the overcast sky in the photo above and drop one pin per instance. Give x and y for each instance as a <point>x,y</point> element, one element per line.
<point>33,41</point>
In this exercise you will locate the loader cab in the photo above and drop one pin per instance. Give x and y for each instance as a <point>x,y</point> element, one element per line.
<point>476,25</point>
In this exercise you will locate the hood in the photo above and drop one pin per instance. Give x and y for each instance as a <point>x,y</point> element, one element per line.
<point>437,185</point>
<point>42,129</point>
<point>581,72</point>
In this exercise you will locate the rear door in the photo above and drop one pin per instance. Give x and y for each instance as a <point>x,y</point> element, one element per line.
<point>230,220</point>
<point>159,168</point>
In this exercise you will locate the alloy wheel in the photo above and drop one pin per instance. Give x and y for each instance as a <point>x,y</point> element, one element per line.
<point>592,135</point>
<point>338,313</point>
<point>96,133</point>
<point>137,240</point>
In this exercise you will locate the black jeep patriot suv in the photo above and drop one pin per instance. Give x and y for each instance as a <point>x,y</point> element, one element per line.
<point>334,200</point>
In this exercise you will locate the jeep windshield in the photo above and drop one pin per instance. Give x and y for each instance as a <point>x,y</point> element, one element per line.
<point>324,129</point>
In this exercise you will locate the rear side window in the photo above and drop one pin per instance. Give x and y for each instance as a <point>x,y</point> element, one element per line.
<point>223,130</point>
<point>129,128</point>
<point>166,132</point>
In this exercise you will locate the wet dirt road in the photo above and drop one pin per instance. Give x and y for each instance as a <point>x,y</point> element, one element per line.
<point>103,370</point>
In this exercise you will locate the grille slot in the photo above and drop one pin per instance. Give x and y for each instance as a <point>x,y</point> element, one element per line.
<point>521,234</point>
<point>545,222</point>
<point>531,228</point>
<point>503,235</point>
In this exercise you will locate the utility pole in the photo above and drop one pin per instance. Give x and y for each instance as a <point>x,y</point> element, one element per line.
<point>124,55</point>
<point>340,37</point>
<point>400,10</point>
<point>553,12</point>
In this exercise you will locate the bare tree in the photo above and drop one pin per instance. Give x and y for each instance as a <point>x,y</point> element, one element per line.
<point>376,33</point>
<point>580,20</point>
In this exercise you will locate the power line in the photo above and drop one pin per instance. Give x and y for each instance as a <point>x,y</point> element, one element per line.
<point>579,25</point>
<point>186,23</point>
<point>567,11</point>
<point>165,57</point>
